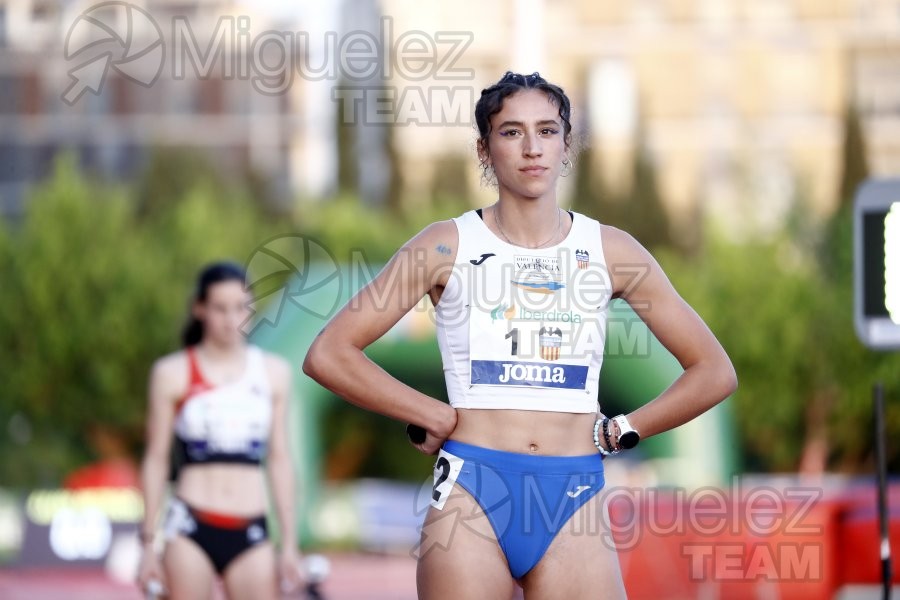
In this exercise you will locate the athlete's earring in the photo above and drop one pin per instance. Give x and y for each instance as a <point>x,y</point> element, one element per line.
<point>488,176</point>
<point>567,167</point>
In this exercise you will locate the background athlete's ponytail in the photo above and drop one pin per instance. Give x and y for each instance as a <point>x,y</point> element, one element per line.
<point>214,273</point>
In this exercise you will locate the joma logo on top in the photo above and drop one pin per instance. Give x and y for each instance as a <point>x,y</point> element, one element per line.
<point>519,372</point>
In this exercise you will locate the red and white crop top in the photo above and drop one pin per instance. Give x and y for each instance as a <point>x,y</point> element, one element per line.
<point>522,328</point>
<point>227,423</point>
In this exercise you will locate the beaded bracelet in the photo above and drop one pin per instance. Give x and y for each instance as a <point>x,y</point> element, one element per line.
<point>609,444</point>
<point>603,451</point>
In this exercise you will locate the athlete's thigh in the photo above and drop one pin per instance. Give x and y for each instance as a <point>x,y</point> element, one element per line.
<point>581,562</point>
<point>458,554</point>
<point>189,572</point>
<point>252,574</point>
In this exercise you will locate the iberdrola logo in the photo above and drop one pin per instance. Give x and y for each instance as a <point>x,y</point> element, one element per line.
<point>503,312</point>
<point>511,312</point>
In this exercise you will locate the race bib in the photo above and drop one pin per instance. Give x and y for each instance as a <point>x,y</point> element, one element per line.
<point>446,470</point>
<point>534,336</point>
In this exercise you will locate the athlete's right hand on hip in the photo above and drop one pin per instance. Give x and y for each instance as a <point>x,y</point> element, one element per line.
<point>423,441</point>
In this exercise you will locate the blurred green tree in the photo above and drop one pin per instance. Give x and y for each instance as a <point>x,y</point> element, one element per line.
<point>804,394</point>
<point>848,369</point>
<point>96,286</point>
<point>854,160</point>
<point>394,193</point>
<point>639,210</point>
<point>93,293</point>
<point>345,140</point>
<point>755,299</point>
<point>589,189</point>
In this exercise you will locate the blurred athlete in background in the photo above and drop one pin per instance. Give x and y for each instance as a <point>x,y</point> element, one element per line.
<point>225,401</point>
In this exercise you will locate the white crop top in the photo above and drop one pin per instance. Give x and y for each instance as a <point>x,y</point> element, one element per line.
<point>226,423</point>
<point>522,328</point>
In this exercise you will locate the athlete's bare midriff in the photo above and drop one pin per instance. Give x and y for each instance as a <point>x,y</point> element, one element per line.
<point>232,489</point>
<point>526,431</point>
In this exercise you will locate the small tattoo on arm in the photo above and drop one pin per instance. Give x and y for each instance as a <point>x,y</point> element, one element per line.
<point>443,249</point>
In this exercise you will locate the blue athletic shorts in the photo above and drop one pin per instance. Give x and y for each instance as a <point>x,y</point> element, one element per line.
<point>528,499</point>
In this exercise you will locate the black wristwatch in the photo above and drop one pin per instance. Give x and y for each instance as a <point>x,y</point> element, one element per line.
<point>628,435</point>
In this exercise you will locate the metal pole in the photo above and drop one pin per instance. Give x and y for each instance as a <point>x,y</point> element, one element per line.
<point>881,462</point>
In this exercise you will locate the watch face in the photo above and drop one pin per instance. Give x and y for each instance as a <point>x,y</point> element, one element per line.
<point>629,439</point>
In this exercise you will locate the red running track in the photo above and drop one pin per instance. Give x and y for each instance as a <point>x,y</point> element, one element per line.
<point>372,577</point>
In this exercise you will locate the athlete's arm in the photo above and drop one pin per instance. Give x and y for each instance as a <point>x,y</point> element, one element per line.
<point>336,359</point>
<point>708,377</point>
<point>162,393</point>
<point>281,471</point>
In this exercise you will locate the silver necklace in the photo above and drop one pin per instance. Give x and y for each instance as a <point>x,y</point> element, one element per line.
<point>506,237</point>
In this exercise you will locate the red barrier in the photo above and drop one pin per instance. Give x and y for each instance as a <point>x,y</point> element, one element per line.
<point>788,543</point>
<point>860,535</point>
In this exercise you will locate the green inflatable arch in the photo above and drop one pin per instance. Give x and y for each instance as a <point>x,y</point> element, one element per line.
<point>636,368</point>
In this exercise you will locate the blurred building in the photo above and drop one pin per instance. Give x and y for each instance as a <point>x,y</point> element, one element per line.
<point>739,103</point>
<point>190,95</point>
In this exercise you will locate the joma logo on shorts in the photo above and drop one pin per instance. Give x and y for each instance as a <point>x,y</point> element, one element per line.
<point>517,372</point>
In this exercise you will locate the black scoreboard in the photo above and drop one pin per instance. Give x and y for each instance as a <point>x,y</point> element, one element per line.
<point>876,258</point>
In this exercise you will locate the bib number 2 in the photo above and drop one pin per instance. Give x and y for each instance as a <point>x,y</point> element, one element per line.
<point>446,470</point>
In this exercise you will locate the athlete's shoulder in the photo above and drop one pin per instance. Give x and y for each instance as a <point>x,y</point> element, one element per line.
<point>439,230</point>
<point>622,248</point>
<point>171,363</point>
<point>171,372</point>
<point>583,224</point>
<point>614,233</point>
<point>438,241</point>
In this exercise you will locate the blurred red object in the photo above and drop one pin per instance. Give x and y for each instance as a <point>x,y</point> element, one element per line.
<point>672,547</point>
<point>115,473</point>
<point>860,535</point>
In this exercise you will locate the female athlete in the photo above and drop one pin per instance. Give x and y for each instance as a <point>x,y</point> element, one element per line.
<point>521,290</point>
<point>226,403</point>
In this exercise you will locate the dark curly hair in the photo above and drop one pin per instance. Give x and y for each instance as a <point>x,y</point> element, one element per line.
<point>491,102</point>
